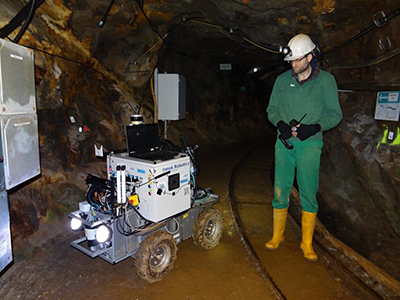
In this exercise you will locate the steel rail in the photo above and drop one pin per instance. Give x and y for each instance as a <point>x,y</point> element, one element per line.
<point>240,227</point>
<point>339,265</point>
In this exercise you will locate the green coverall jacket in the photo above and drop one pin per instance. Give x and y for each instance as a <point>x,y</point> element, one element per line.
<point>317,98</point>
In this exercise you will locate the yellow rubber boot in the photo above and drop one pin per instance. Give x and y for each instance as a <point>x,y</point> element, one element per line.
<point>307,227</point>
<point>280,216</point>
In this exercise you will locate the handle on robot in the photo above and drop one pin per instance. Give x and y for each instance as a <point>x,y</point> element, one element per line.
<point>158,176</point>
<point>118,184</point>
<point>163,174</point>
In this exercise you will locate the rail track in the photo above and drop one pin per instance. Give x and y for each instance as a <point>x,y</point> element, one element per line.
<point>339,273</point>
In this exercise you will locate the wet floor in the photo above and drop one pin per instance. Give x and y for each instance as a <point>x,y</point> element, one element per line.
<point>294,276</point>
<point>47,267</point>
<point>51,269</point>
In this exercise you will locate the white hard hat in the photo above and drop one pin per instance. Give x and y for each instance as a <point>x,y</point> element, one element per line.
<point>299,45</point>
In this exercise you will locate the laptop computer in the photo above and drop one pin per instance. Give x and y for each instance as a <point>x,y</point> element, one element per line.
<point>142,142</point>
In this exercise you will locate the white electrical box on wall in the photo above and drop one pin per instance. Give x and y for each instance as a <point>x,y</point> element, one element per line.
<point>20,143</point>
<point>19,138</point>
<point>5,234</point>
<point>18,114</point>
<point>171,100</point>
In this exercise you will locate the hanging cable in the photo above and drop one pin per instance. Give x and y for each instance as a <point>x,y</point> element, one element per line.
<point>169,46</point>
<point>103,20</point>
<point>272,49</point>
<point>145,90</point>
<point>371,27</point>
<point>261,47</point>
<point>207,24</point>
<point>151,48</point>
<point>366,64</point>
<point>26,23</point>
<point>154,99</point>
<point>70,60</point>
<point>18,19</point>
<point>141,5</point>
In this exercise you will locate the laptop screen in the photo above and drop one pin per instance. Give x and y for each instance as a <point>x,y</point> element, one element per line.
<point>141,138</point>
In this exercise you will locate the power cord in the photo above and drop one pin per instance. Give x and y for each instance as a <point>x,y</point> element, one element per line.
<point>371,27</point>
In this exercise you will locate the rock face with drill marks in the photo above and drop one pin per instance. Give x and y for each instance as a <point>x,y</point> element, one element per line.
<point>90,79</point>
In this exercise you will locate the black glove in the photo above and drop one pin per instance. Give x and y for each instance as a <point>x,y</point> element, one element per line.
<point>284,129</point>
<point>305,131</point>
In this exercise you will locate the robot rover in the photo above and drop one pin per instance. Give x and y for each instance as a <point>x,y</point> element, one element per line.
<point>149,203</point>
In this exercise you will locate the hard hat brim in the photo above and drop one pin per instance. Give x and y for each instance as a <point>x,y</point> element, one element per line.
<point>289,57</point>
<point>299,45</point>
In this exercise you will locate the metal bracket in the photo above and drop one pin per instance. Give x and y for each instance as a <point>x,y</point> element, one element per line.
<point>380,18</point>
<point>385,43</point>
<point>92,254</point>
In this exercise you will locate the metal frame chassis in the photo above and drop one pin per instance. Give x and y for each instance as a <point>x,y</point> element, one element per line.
<point>111,254</point>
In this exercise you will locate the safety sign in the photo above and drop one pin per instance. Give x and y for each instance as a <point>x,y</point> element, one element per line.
<point>387,106</point>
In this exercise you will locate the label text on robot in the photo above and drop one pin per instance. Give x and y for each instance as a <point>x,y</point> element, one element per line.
<point>176,166</point>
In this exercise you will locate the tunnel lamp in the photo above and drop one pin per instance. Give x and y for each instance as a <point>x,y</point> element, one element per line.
<point>76,224</point>
<point>255,70</point>
<point>103,234</point>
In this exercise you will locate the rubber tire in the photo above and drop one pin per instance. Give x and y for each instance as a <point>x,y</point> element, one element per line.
<point>143,257</point>
<point>201,237</point>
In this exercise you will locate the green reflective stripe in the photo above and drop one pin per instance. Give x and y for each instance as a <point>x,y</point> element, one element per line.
<point>384,139</point>
<point>397,139</point>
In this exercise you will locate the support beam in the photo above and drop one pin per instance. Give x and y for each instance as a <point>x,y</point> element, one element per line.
<point>373,62</point>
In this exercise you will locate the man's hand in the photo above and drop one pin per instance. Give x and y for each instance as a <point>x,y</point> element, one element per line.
<point>284,129</point>
<point>305,131</point>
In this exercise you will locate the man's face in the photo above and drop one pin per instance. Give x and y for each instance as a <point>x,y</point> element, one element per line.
<point>301,64</point>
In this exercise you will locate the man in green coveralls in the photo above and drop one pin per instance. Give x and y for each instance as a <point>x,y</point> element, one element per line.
<point>307,91</point>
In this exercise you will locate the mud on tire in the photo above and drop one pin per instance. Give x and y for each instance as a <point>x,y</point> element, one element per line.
<point>208,228</point>
<point>156,256</point>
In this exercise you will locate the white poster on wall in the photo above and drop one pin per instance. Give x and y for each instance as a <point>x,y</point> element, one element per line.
<point>387,106</point>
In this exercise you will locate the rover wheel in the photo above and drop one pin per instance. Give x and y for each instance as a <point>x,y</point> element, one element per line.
<point>156,256</point>
<point>208,228</point>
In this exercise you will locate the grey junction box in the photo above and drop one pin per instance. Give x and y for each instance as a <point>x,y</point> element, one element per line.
<point>5,235</point>
<point>19,126</point>
<point>171,98</point>
<point>19,141</point>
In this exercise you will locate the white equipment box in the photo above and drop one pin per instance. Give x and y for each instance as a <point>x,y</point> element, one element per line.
<point>5,234</point>
<point>19,125</point>
<point>171,98</point>
<point>159,198</point>
<point>19,139</point>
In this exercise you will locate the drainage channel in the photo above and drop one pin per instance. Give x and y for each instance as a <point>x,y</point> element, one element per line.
<point>285,271</point>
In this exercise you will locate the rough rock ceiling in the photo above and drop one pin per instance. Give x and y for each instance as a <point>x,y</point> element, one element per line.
<point>132,27</point>
<point>184,22</point>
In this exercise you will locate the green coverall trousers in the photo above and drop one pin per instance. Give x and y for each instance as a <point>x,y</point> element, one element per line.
<point>305,158</point>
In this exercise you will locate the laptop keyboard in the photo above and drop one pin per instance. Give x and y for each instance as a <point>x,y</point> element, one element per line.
<point>157,155</point>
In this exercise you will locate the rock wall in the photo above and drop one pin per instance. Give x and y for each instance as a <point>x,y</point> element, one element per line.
<point>359,185</point>
<point>88,83</point>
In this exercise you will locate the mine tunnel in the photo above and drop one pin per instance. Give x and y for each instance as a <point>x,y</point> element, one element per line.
<point>80,80</point>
